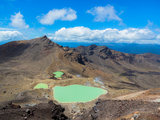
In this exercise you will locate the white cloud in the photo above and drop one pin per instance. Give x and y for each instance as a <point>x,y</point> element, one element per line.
<point>65,14</point>
<point>10,35</point>
<point>6,29</point>
<point>18,21</point>
<point>104,13</point>
<point>84,34</point>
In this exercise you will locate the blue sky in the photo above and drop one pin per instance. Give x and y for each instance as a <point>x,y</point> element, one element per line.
<point>128,21</point>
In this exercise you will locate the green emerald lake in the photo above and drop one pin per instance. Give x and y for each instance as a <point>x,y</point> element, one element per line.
<point>58,74</point>
<point>76,93</point>
<point>41,86</point>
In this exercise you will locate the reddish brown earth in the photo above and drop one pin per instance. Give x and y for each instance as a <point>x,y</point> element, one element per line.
<point>23,64</point>
<point>123,110</point>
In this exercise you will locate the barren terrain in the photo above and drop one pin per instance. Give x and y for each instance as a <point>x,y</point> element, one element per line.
<point>132,81</point>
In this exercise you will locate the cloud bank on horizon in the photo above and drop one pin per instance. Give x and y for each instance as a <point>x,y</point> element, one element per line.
<point>84,34</point>
<point>108,35</point>
<point>10,35</point>
<point>50,22</point>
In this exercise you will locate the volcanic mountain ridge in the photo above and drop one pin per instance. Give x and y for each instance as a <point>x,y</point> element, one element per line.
<point>23,64</point>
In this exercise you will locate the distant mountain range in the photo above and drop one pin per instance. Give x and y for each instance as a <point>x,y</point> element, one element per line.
<point>122,47</point>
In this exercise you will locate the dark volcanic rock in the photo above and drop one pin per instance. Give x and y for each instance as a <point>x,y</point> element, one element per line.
<point>43,111</point>
<point>105,53</point>
<point>75,57</point>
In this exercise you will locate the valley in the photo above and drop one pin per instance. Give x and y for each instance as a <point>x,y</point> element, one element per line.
<point>31,69</point>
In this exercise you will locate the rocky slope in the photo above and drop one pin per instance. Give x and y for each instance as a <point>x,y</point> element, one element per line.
<point>141,71</point>
<point>23,64</point>
<point>42,56</point>
<point>123,110</point>
<point>47,111</point>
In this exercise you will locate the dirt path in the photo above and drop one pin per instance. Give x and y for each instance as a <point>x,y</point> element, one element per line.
<point>130,96</point>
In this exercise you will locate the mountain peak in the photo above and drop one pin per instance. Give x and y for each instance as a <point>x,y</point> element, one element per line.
<point>44,36</point>
<point>93,46</point>
<point>43,41</point>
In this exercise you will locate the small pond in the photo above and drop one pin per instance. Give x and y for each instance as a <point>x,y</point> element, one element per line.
<point>41,86</point>
<point>58,74</point>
